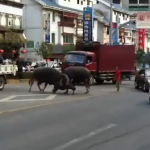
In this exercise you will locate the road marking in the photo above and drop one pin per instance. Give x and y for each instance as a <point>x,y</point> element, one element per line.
<point>87,136</point>
<point>47,104</point>
<point>9,98</point>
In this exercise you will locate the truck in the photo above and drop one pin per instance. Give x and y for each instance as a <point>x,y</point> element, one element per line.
<point>4,71</point>
<point>101,60</point>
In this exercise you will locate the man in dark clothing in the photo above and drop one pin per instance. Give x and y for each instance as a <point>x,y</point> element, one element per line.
<point>117,79</point>
<point>19,64</point>
<point>1,59</point>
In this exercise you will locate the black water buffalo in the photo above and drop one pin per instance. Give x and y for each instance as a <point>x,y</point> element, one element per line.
<point>50,76</point>
<point>78,75</point>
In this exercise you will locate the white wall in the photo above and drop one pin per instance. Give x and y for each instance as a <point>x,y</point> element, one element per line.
<point>32,24</point>
<point>106,10</point>
<point>73,4</point>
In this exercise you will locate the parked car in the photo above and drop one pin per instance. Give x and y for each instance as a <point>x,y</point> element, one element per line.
<point>142,80</point>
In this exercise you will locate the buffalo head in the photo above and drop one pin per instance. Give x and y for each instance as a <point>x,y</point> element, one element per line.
<point>64,80</point>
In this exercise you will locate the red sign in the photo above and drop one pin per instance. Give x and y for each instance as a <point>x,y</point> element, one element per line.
<point>141,39</point>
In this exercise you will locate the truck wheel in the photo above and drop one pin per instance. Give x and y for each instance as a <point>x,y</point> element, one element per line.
<point>2,83</point>
<point>98,81</point>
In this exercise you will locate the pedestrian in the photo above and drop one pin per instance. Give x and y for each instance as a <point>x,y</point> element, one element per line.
<point>1,59</point>
<point>117,78</point>
<point>19,64</point>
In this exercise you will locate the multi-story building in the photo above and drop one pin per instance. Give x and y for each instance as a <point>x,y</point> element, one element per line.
<point>57,23</point>
<point>119,16</point>
<point>133,5</point>
<point>11,20</point>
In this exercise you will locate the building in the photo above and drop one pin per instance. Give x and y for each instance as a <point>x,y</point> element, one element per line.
<point>133,5</point>
<point>119,16</point>
<point>11,24</point>
<point>56,22</point>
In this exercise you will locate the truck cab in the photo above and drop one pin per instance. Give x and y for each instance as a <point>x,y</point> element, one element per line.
<point>80,58</point>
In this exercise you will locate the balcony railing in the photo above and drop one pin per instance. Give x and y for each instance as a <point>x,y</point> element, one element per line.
<point>66,24</point>
<point>15,27</point>
<point>139,9</point>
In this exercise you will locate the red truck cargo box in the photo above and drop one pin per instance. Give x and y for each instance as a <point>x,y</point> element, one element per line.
<point>121,56</point>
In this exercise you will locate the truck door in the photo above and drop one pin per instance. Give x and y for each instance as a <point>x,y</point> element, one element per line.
<point>90,63</point>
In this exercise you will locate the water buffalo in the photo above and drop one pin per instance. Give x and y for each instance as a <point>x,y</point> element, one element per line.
<point>50,76</point>
<point>78,75</point>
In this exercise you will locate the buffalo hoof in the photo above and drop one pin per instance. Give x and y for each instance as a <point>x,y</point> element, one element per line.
<point>86,92</point>
<point>53,91</point>
<point>65,93</point>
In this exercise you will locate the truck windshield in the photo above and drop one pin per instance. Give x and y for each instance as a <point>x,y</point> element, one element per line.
<point>74,58</point>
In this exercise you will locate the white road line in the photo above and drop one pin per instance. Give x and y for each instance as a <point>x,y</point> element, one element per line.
<point>8,98</point>
<point>87,136</point>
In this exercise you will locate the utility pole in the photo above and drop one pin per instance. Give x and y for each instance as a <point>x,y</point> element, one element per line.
<point>111,21</point>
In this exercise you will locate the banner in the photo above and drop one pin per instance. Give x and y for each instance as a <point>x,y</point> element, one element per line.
<point>114,33</point>
<point>143,20</point>
<point>141,42</point>
<point>87,24</point>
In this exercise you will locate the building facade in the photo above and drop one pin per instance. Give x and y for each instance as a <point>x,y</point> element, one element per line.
<point>51,22</point>
<point>133,5</point>
<point>11,23</point>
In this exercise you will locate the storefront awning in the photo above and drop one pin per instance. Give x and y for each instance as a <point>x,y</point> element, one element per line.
<point>12,37</point>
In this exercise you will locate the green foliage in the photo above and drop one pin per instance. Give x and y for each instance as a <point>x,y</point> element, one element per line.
<point>68,48</point>
<point>44,50</point>
<point>140,56</point>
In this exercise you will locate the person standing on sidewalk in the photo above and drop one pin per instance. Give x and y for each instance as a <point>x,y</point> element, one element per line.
<point>117,79</point>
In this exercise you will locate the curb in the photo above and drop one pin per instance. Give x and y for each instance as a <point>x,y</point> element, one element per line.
<point>16,81</point>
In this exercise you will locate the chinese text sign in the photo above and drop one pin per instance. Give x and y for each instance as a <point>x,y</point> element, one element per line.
<point>87,24</point>
<point>141,42</point>
<point>143,20</point>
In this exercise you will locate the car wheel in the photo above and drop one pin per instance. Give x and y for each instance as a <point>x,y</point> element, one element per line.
<point>136,85</point>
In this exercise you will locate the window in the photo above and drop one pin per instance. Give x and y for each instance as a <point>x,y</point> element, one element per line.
<point>116,1</point>
<point>89,59</point>
<point>88,2</point>
<point>53,38</point>
<point>78,1</point>
<point>143,1</point>
<point>53,16</point>
<point>68,39</point>
<point>81,2</point>
<point>133,1</point>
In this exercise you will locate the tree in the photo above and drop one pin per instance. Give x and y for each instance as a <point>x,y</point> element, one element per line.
<point>140,56</point>
<point>44,50</point>
<point>67,48</point>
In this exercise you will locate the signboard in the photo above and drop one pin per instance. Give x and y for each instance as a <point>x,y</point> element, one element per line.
<point>87,24</point>
<point>115,34</point>
<point>143,20</point>
<point>141,40</point>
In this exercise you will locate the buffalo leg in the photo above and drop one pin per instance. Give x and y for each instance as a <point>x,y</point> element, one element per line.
<point>86,83</point>
<point>38,84</point>
<point>44,87</point>
<point>31,82</point>
<point>55,89</point>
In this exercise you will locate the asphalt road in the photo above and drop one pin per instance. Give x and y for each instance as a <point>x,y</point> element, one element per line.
<point>101,120</point>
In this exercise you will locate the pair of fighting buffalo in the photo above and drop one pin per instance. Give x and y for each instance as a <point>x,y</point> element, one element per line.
<point>61,80</point>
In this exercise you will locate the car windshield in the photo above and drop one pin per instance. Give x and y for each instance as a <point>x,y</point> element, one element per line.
<point>74,58</point>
